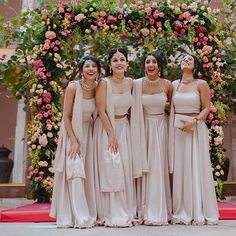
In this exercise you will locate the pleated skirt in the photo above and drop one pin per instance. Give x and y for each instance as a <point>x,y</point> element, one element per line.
<point>194,197</point>
<point>115,209</point>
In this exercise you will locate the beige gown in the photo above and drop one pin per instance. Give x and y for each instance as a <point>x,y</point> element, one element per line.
<point>73,200</point>
<point>115,205</point>
<point>194,198</point>
<point>157,209</point>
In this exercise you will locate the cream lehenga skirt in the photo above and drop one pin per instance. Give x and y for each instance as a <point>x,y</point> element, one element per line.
<point>194,197</point>
<point>73,202</point>
<point>157,210</point>
<point>115,207</point>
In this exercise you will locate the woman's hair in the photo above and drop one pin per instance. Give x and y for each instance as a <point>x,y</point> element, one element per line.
<point>159,62</point>
<point>197,71</point>
<point>110,55</point>
<point>85,58</point>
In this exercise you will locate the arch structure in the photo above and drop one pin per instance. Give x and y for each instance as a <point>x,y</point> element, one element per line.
<point>55,36</point>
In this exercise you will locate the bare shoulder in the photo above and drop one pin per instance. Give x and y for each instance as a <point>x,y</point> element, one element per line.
<point>102,84</point>
<point>130,81</point>
<point>168,83</point>
<point>202,83</point>
<point>71,88</point>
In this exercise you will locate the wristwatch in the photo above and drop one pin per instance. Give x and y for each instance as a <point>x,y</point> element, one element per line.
<point>198,121</point>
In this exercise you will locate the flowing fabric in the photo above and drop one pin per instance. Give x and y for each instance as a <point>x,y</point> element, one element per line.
<point>73,200</point>
<point>115,206</point>
<point>194,198</point>
<point>154,199</point>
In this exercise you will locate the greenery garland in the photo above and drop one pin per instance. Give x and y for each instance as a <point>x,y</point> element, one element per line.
<point>51,39</point>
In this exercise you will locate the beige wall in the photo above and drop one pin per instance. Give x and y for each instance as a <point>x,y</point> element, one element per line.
<point>8,108</point>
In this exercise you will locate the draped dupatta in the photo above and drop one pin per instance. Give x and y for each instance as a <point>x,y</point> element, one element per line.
<point>171,130</point>
<point>139,149</point>
<point>60,197</point>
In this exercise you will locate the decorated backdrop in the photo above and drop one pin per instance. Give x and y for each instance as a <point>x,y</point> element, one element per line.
<point>50,40</point>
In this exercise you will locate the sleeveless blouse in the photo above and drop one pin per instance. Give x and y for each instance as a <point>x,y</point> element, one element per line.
<point>88,107</point>
<point>154,104</point>
<point>122,102</point>
<point>187,102</point>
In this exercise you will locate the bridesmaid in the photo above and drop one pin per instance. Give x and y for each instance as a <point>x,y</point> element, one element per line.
<point>112,144</point>
<point>73,200</point>
<point>148,122</point>
<point>194,198</point>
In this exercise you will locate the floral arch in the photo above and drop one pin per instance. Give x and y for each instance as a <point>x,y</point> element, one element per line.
<point>54,37</point>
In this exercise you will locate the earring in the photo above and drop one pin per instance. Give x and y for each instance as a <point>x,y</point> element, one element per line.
<point>159,73</point>
<point>110,70</point>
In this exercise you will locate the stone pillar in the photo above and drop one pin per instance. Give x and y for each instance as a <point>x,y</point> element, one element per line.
<point>18,174</point>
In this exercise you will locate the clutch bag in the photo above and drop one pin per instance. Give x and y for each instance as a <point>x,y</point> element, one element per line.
<point>75,167</point>
<point>180,119</point>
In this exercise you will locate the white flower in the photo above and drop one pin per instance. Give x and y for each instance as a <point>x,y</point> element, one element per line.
<point>217,173</point>
<point>218,167</point>
<point>49,134</point>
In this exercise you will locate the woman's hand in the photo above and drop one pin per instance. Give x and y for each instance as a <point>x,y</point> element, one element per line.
<point>74,149</point>
<point>189,125</point>
<point>112,144</point>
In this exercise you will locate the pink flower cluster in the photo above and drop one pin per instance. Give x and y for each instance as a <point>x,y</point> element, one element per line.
<point>35,174</point>
<point>41,71</point>
<point>201,39</point>
<point>180,29</point>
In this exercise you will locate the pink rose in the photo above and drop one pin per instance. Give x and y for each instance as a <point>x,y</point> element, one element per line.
<point>148,10</point>
<point>151,21</point>
<point>43,141</point>
<point>205,59</point>
<point>38,63</point>
<point>159,24</point>
<point>145,31</point>
<point>184,6</point>
<point>39,101</point>
<point>102,13</point>
<point>161,14</point>
<point>50,35</point>
<point>47,97</point>
<point>35,171</point>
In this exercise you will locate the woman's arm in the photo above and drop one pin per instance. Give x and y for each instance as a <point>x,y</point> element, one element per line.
<point>169,92</point>
<point>101,107</point>
<point>205,97</point>
<point>68,110</point>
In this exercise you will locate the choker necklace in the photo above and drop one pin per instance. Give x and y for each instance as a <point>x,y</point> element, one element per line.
<point>85,86</point>
<point>151,82</point>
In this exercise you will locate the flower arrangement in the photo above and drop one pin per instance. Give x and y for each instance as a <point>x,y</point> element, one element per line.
<point>60,33</point>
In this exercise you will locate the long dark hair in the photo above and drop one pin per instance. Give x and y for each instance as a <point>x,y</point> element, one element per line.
<point>110,55</point>
<point>159,62</point>
<point>197,71</point>
<point>85,58</point>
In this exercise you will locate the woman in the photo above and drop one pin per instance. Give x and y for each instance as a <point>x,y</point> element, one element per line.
<point>194,199</point>
<point>148,122</point>
<point>112,144</point>
<point>73,201</point>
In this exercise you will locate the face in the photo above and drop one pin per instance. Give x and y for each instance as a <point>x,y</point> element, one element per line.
<point>90,70</point>
<point>187,63</point>
<point>151,66</point>
<point>118,63</point>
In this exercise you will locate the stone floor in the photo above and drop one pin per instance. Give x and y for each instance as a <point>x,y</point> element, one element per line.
<point>225,228</point>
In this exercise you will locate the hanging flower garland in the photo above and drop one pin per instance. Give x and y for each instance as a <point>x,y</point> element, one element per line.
<point>166,27</point>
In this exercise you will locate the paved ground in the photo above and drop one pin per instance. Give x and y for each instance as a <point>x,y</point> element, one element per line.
<point>225,228</point>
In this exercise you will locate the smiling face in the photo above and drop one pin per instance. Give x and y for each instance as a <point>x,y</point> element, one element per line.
<point>151,66</point>
<point>118,63</point>
<point>90,70</point>
<point>187,63</point>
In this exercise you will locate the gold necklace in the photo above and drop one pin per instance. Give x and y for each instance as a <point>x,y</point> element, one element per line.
<point>85,86</point>
<point>151,82</point>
